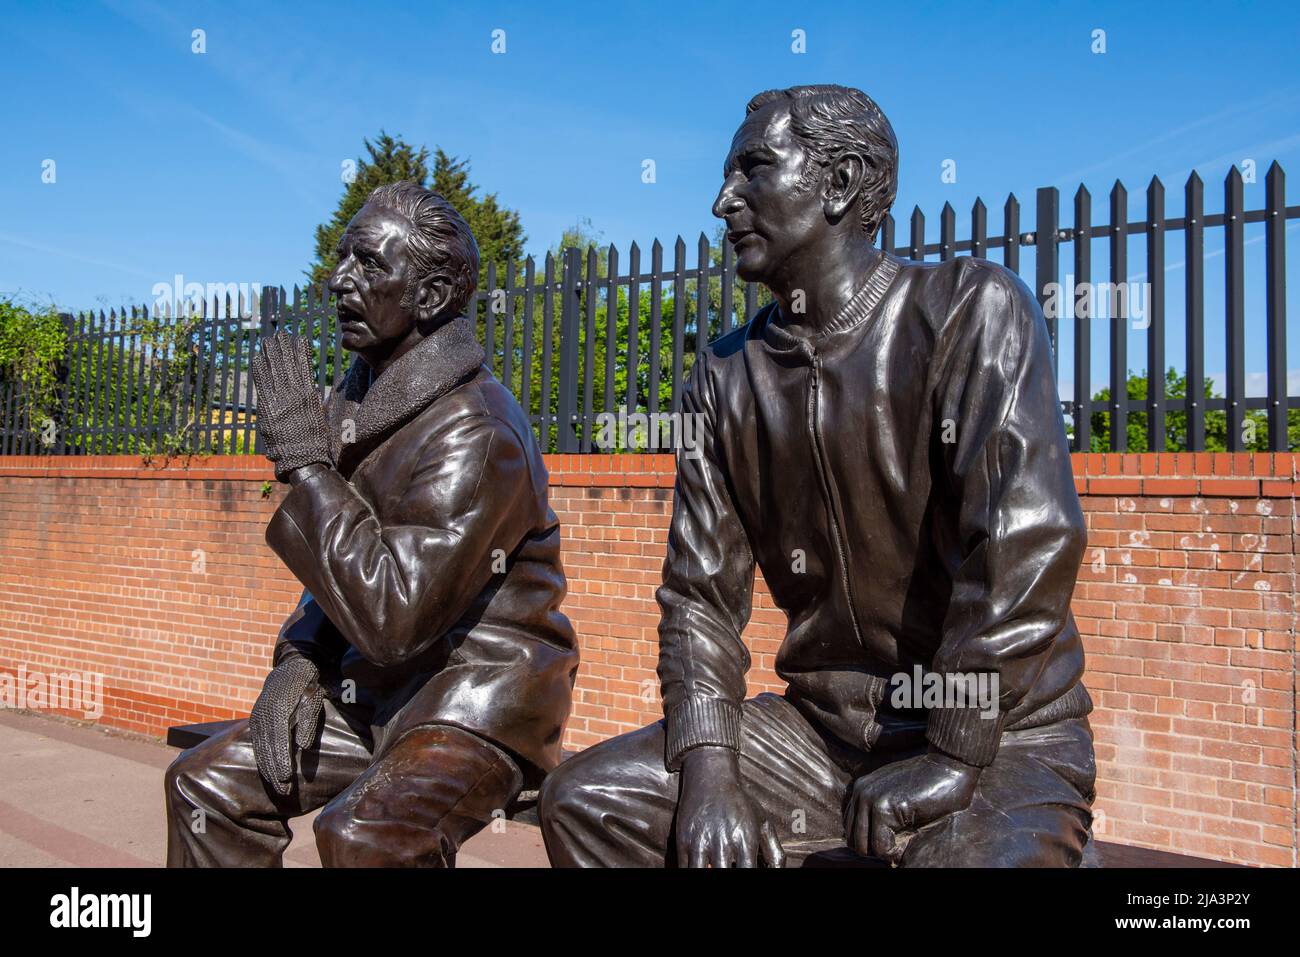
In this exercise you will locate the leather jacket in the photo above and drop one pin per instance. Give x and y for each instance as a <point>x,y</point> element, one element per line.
<point>431,556</point>
<point>902,479</point>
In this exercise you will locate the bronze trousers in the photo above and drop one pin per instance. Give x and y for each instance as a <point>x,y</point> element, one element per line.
<point>411,806</point>
<point>615,804</point>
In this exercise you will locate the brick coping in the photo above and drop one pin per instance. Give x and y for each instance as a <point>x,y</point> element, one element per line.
<point>1209,474</point>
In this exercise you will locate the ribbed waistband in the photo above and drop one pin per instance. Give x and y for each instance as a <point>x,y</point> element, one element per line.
<point>1075,703</point>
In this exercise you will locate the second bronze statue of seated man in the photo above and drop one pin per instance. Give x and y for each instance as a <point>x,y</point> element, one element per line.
<point>425,677</point>
<point>885,443</point>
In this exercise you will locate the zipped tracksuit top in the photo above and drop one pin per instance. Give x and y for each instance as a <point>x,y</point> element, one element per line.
<point>903,481</point>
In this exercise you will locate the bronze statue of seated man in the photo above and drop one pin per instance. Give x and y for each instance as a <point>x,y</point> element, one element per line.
<point>885,442</point>
<point>426,676</point>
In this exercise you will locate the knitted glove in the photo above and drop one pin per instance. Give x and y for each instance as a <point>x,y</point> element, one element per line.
<point>289,706</point>
<point>290,416</point>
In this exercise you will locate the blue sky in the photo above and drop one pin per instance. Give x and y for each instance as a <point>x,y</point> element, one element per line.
<point>218,166</point>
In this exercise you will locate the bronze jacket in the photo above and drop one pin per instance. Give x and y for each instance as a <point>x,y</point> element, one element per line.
<point>903,481</point>
<point>431,557</point>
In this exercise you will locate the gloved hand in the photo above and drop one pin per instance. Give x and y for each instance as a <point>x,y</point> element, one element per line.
<point>717,823</point>
<point>888,806</point>
<point>290,416</point>
<point>287,712</point>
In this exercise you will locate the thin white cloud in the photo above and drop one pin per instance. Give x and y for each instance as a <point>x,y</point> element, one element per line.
<point>1265,104</point>
<point>75,257</point>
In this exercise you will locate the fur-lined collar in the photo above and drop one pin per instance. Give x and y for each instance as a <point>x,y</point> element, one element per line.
<point>379,405</point>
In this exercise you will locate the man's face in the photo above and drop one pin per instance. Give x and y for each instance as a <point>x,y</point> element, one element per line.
<point>769,216</point>
<point>370,281</point>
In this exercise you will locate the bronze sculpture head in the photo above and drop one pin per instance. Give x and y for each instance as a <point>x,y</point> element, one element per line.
<point>407,263</point>
<point>810,168</point>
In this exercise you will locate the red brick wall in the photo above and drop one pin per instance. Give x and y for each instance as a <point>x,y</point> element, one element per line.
<point>159,580</point>
<point>1187,601</point>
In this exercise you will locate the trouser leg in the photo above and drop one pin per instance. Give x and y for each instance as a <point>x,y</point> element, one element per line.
<point>1032,807</point>
<point>432,790</point>
<point>220,813</point>
<point>614,805</point>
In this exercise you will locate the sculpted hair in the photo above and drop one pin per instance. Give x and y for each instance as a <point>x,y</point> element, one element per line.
<point>829,119</point>
<point>440,240</point>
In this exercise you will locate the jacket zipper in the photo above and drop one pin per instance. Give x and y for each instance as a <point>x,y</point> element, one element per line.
<point>814,423</point>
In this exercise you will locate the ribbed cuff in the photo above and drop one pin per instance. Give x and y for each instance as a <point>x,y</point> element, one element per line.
<point>699,721</point>
<point>967,734</point>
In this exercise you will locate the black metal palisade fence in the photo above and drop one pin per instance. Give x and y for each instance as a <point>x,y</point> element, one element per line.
<point>169,380</point>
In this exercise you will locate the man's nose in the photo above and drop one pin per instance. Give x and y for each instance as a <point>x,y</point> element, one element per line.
<point>727,202</point>
<point>340,280</point>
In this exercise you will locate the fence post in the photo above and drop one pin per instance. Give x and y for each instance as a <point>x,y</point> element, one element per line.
<point>1156,316</point>
<point>117,369</point>
<point>1083,313</point>
<point>567,438</point>
<point>142,378</point>
<point>1194,269</point>
<point>526,353</point>
<point>611,328</point>
<point>265,328</point>
<point>727,285</point>
<point>1011,233</point>
<point>886,234</point>
<point>947,233</point>
<point>590,297</point>
<point>916,248</point>
<point>1275,309</point>
<point>633,324</point>
<point>490,319</point>
<point>226,330</point>
<point>81,388</point>
<point>148,314</point>
<point>5,389</point>
<point>1234,307</point>
<point>65,379</point>
<point>679,320</point>
<point>508,343</point>
<point>1118,318</point>
<point>656,324</point>
<point>545,413</point>
<point>322,336</point>
<point>702,329</point>
<point>1047,263</point>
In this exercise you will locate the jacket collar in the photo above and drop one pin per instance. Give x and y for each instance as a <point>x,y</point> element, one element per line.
<point>377,406</point>
<point>861,305</point>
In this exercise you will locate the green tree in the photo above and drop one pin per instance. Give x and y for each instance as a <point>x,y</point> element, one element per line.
<point>497,229</point>
<point>1255,433</point>
<point>391,161</point>
<point>32,344</point>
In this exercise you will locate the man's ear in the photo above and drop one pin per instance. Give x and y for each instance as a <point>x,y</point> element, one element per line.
<point>843,184</point>
<point>432,294</point>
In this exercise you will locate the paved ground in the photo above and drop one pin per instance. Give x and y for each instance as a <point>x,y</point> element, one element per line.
<point>74,795</point>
